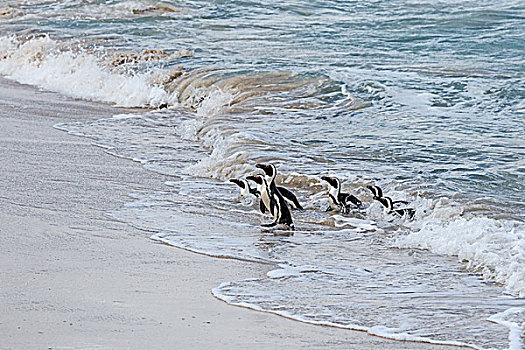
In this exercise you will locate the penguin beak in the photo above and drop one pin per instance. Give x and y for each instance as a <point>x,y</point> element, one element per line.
<point>325,178</point>
<point>261,166</point>
<point>251,177</point>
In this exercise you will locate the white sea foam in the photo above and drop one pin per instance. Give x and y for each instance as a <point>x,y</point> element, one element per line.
<point>226,159</point>
<point>283,271</point>
<point>221,164</point>
<point>37,9</point>
<point>212,101</point>
<point>385,332</point>
<point>496,248</point>
<point>400,334</point>
<point>144,7</point>
<point>43,63</point>
<point>514,320</point>
<point>493,247</point>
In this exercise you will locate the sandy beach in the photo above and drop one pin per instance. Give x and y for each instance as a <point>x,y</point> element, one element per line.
<point>73,278</point>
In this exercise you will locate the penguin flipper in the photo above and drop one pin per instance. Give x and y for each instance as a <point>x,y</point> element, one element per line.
<point>347,200</point>
<point>273,205</point>
<point>354,200</point>
<point>286,216</point>
<point>289,196</point>
<point>262,207</point>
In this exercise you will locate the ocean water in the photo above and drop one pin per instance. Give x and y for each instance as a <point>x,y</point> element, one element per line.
<point>423,98</point>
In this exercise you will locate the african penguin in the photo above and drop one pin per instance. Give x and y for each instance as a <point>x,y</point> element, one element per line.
<point>274,201</point>
<point>389,205</point>
<point>377,192</point>
<point>338,200</point>
<point>245,187</point>
<point>270,172</point>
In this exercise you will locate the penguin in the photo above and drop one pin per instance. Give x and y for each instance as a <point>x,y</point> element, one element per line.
<point>338,200</point>
<point>270,172</point>
<point>245,187</point>
<point>377,192</point>
<point>274,201</point>
<point>403,212</point>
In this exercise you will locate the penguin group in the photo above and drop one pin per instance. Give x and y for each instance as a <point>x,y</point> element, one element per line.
<point>277,200</point>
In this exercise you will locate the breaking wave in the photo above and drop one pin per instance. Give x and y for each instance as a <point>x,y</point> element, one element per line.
<point>46,63</point>
<point>495,248</point>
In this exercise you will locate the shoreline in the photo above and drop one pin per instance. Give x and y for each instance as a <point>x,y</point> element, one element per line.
<point>75,278</point>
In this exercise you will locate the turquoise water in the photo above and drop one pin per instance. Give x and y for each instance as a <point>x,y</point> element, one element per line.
<point>424,98</point>
<point>447,75</point>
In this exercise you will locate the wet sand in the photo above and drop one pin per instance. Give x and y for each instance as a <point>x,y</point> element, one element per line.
<point>73,278</point>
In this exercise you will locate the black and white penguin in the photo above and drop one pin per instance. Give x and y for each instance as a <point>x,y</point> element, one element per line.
<point>245,187</point>
<point>338,200</point>
<point>402,212</point>
<point>274,201</point>
<point>377,192</point>
<point>270,172</point>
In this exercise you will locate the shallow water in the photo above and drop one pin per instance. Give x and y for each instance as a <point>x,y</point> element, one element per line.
<point>424,99</point>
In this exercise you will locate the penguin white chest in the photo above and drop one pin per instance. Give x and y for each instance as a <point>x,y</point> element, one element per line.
<point>332,198</point>
<point>265,197</point>
<point>244,192</point>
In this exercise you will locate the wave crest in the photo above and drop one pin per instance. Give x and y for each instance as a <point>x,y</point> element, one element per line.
<point>496,248</point>
<point>43,62</point>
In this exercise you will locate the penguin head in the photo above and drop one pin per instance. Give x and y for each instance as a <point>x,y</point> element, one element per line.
<point>269,170</point>
<point>376,191</point>
<point>258,179</point>
<point>238,182</point>
<point>332,181</point>
<point>387,202</point>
